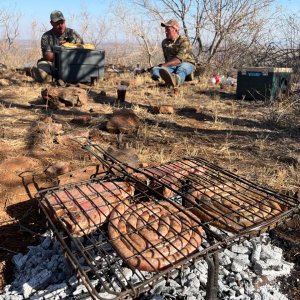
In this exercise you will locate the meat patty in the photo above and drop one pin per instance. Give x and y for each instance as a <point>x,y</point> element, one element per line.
<point>82,208</point>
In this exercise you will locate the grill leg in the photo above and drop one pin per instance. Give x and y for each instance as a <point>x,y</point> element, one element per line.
<point>212,286</point>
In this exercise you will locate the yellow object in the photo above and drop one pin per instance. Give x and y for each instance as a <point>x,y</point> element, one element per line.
<point>84,46</point>
<point>89,46</point>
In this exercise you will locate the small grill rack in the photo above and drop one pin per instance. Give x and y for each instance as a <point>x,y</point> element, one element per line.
<point>231,208</point>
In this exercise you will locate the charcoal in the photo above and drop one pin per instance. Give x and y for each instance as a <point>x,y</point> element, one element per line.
<point>239,266</point>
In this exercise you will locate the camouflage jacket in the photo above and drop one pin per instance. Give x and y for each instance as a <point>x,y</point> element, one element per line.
<point>181,49</point>
<point>50,39</point>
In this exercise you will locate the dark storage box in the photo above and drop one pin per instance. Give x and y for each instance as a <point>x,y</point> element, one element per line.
<point>78,64</point>
<point>263,83</point>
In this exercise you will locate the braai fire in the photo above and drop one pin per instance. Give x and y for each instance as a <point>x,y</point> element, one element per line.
<point>155,220</point>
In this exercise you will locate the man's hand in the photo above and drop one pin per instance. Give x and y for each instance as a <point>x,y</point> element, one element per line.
<point>173,62</point>
<point>49,56</point>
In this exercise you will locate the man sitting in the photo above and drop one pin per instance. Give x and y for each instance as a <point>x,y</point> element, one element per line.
<point>56,36</point>
<point>179,61</point>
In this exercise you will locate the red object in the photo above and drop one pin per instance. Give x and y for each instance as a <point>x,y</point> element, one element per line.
<point>217,79</point>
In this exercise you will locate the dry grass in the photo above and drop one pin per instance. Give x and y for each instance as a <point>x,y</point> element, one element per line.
<point>244,137</point>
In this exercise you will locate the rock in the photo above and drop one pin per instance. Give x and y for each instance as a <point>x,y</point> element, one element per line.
<point>127,156</point>
<point>64,96</point>
<point>163,109</point>
<point>123,121</point>
<point>58,169</point>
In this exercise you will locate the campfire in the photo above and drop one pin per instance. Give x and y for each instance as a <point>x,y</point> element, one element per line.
<point>157,229</point>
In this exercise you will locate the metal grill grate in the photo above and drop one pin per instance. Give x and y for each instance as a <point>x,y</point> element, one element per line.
<point>149,222</point>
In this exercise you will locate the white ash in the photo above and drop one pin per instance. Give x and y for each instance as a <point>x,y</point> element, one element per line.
<point>247,271</point>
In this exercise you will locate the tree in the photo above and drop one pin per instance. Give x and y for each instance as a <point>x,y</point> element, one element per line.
<point>92,30</point>
<point>211,24</point>
<point>9,23</point>
<point>141,28</point>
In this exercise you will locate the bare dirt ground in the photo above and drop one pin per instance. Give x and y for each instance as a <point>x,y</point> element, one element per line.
<point>254,139</point>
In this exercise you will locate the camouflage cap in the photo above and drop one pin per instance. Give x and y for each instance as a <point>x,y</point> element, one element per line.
<point>171,23</point>
<point>56,16</point>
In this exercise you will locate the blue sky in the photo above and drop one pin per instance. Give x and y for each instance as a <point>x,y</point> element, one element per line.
<point>40,10</point>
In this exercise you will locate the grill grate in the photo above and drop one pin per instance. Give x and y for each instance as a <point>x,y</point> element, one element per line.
<point>125,232</point>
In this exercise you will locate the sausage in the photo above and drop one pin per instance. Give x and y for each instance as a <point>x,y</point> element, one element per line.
<point>151,235</point>
<point>169,175</point>
<point>231,207</point>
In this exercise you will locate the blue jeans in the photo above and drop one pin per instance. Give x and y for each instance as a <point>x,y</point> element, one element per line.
<point>182,70</point>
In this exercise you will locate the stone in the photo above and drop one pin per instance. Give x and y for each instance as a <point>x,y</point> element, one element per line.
<point>66,96</point>
<point>127,156</point>
<point>123,121</point>
<point>164,109</point>
<point>58,169</point>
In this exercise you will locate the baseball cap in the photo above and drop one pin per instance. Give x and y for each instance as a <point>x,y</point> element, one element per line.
<point>56,16</point>
<point>171,23</point>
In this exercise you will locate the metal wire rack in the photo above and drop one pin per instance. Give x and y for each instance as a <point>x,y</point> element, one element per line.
<point>153,221</point>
